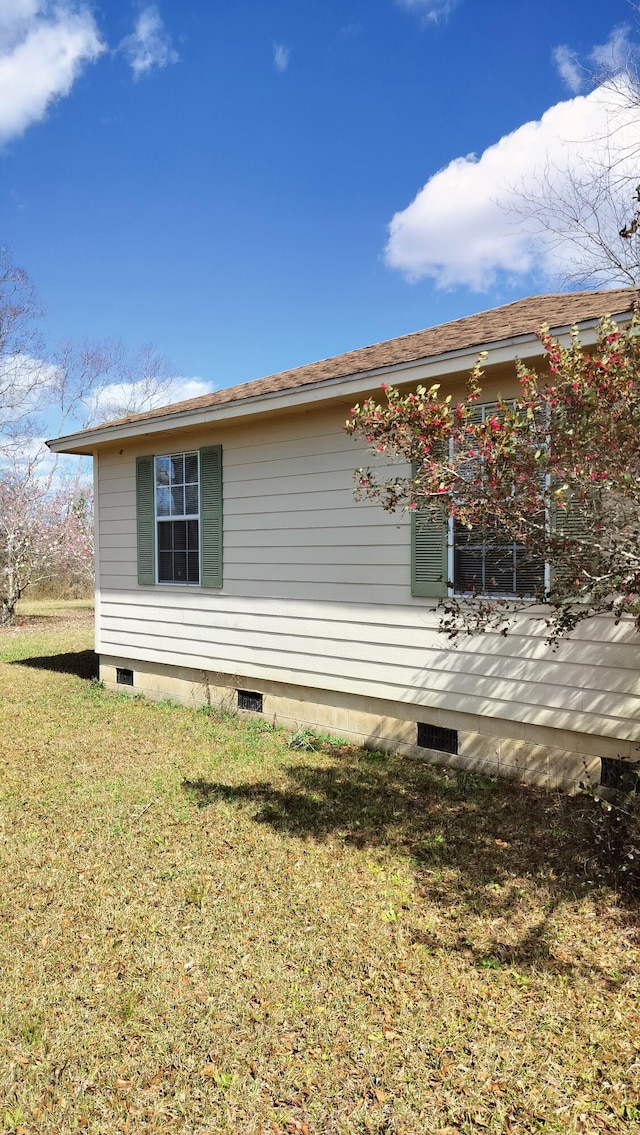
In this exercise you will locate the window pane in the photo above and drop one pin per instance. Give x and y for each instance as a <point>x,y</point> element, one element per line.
<point>163,502</point>
<point>177,470</point>
<point>191,500</point>
<point>177,502</point>
<point>499,574</point>
<point>178,557</point>
<point>464,536</point>
<point>163,470</point>
<point>485,561</point>
<point>497,571</point>
<point>179,534</point>
<point>469,570</point>
<point>193,567</point>
<point>530,578</point>
<point>191,468</point>
<point>165,567</point>
<point>165,537</point>
<point>180,567</point>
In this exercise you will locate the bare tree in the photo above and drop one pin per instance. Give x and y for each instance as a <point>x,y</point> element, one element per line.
<point>583,217</point>
<point>581,207</point>
<point>23,373</point>
<point>45,508</point>
<point>77,384</point>
<point>92,382</point>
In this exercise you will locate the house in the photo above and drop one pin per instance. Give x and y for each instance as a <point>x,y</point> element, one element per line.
<point>234,567</point>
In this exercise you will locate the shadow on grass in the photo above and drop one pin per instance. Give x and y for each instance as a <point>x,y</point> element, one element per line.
<point>484,847</point>
<point>82,663</point>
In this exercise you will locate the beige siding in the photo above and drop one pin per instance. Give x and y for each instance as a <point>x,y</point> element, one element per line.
<point>317,593</point>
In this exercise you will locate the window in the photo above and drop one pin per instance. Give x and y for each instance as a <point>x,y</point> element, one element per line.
<point>486,562</point>
<point>179,518</point>
<point>489,566</point>
<point>475,562</point>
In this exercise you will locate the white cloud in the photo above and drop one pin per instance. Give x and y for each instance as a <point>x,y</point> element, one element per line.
<point>431,11</point>
<point>183,388</point>
<point>617,55</point>
<point>43,49</point>
<point>26,383</point>
<point>118,399</point>
<point>51,471</point>
<point>281,56</point>
<point>149,44</point>
<point>569,69</point>
<point>466,227</point>
<point>15,16</point>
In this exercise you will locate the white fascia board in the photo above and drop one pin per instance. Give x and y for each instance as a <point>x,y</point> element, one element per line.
<point>426,370</point>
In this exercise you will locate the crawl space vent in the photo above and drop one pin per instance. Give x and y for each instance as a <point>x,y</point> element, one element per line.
<point>433,737</point>
<point>124,677</point>
<point>619,774</point>
<point>249,699</point>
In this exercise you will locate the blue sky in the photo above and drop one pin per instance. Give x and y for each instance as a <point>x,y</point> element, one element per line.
<point>218,176</point>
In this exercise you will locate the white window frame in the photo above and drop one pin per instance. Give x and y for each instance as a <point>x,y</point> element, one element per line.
<point>454,592</point>
<point>163,519</point>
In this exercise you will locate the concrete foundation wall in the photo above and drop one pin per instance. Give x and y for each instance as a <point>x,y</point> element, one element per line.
<point>541,756</point>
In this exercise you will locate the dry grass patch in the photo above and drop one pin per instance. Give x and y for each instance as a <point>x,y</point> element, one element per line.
<point>202,930</point>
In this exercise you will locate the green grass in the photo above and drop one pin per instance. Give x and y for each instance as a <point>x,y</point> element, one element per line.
<point>52,608</point>
<point>204,930</point>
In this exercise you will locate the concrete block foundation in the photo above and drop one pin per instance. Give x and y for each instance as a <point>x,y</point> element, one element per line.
<point>542,756</point>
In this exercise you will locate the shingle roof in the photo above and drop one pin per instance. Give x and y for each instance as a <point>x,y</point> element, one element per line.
<point>523,317</point>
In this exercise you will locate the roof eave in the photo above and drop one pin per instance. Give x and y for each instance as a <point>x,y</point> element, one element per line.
<point>428,369</point>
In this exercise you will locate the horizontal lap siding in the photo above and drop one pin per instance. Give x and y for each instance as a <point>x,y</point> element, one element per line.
<point>399,663</point>
<point>363,642</point>
<point>291,527</point>
<point>401,675</point>
<point>317,593</point>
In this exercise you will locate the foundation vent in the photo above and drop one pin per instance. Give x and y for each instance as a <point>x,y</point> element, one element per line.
<point>433,737</point>
<point>620,774</point>
<point>249,699</point>
<point>124,677</point>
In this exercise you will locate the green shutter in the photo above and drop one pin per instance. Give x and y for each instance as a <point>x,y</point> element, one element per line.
<point>144,520</point>
<point>428,555</point>
<point>572,523</point>
<point>211,516</point>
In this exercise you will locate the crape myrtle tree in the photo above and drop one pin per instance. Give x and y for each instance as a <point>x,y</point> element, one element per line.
<point>554,472</point>
<point>46,506</point>
<point>43,533</point>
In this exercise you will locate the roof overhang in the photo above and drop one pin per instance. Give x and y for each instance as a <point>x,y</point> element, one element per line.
<point>427,371</point>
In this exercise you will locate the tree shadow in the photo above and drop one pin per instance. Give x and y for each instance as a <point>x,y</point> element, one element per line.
<point>82,663</point>
<point>487,847</point>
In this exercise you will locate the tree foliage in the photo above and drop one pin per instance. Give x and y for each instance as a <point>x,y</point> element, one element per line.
<point>42,533</point>
<point>555,471</point>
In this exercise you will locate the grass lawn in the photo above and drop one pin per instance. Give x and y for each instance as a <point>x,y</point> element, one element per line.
<point>204,930</point>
